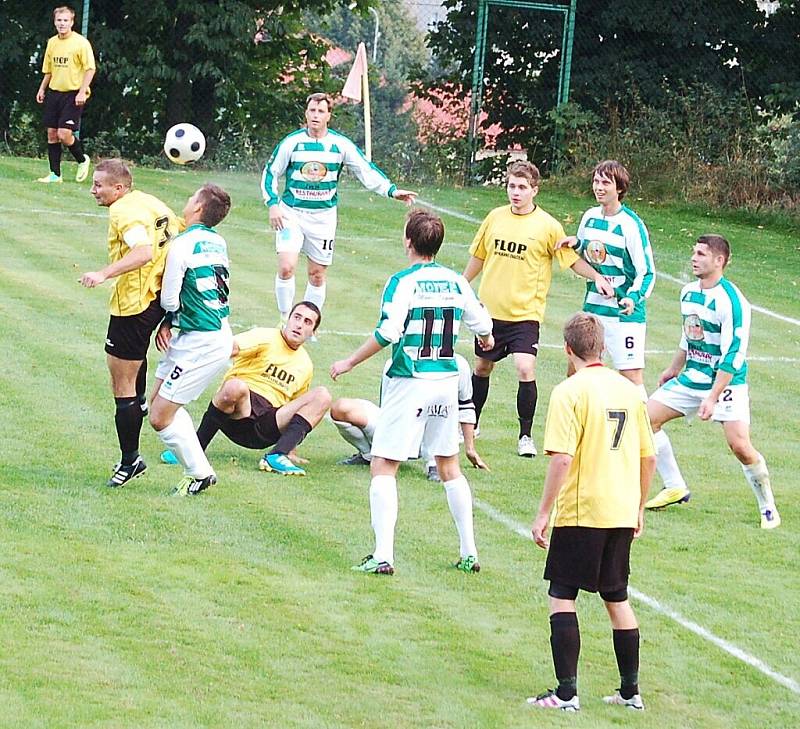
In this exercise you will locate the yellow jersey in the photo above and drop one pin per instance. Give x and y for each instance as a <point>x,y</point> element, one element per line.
<point>517,253</point>
<point>270,367</point>
<point>133,291</point>
<point>597,416</point>
<point>67,60</point>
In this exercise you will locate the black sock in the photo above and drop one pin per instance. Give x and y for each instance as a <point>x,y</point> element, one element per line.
<point>212,421</point>
<point>54,155</point>
<point>565,643</point>
<point>77,150</point>
<point>141,383</point>
<point>480,391</point>
<point>626,648</point>
<point>296,429</point>
<point>527,394</point>
<point>128,419</point>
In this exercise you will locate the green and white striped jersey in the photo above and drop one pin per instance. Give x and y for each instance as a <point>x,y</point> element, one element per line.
<point>312,167</point>
<point>716,330</point>
<point>195,283</point>
<point>421,313</point>
<point>619,248</point>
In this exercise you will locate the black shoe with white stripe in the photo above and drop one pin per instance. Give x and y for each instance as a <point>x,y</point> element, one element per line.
<point>124,472</point>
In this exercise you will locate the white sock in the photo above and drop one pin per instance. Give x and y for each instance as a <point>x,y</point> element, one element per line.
<point>284,294</point>
<point>665,462</point>
<point>180,437</point>
<point>316,294</point>
<point>355,436</point>
<point>643,392</point>
<point>383,508</point>
<point>758,478</point>
<point>459,499</point>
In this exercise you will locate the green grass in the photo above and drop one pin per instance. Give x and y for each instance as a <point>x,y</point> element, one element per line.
<point>129,609</point>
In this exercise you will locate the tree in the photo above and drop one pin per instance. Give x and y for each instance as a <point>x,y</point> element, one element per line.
<point>166,61</point>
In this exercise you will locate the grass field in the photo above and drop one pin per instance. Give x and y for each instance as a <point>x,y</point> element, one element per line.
<point>125,608</point>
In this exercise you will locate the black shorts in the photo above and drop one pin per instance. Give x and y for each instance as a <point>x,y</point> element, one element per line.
<point>60,110</point>
<point>259,429</point>
<point>595,560</point>
<point>510,337</point>
<point>129,336</point>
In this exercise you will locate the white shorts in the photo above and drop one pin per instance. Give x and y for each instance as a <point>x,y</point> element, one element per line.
<point>192,362</point>
<point>411,409</point>
<point>733,403</point>
<point>624,341</point>
<point>310,231</point>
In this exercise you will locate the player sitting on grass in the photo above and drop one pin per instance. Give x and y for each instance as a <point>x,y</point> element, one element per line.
<point>265,398</point>
<point>356,418</point>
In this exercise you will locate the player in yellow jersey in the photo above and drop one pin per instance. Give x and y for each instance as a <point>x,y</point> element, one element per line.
<point>68,69</point>
<point>514,250</point>
<point>602,461</point>
<point>266,398</point>
<point>139,231</point>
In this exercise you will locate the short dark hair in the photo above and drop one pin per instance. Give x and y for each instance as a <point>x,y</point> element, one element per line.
<point>523,168</point>
<point>616,171</point>
<point>584,335</point>
<point>425,231</point>
<point>216,204</point>
<point>117,171</point>
<point>719,246</point>
<point>310,305</point>
<point>320,96</point>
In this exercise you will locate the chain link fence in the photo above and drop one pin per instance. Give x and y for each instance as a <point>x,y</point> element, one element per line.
<point>708,88</point>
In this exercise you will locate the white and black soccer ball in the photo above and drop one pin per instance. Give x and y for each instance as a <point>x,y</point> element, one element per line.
<point>184,143</point>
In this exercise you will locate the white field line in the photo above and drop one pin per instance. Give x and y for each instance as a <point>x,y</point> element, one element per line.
<point>664,610</point>
<point>659,274</point>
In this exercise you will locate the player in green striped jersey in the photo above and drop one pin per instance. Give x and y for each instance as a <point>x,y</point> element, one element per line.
<point>194,294</point>
<point>614,241</point>
<point>304,216</point>
<point>422,309</point>
<point>708,376</point>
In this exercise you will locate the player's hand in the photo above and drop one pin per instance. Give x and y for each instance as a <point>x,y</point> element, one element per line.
<point>476,460</point>
<point>405,196</point>
<point>486,343</point>
<point>639,524</point>
<point>90,279</point>
<point>163,337</point>
<point>340,367</point>
<point>80,98</point>
<point>569,242</point>
<point>539,530</point>
<point>297,460</point>
<point>706,409</point>
<point>276,218</point>
<point>626,306</point>
<point>40,96</point>
<point>604,287</point>
<point>665,376</point>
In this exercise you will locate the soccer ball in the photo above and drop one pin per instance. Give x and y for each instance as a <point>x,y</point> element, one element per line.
<point>185,143</point>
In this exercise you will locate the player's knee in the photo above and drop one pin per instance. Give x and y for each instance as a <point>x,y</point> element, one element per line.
<point>742,449</point>
<point>483,367</point>
<point>614,596</point>
<point>64,136</point>
<point>322,397</point>
<point>317,277</point>
<point>231,392</point>
<point>449,470</point>
<point>285,270</point>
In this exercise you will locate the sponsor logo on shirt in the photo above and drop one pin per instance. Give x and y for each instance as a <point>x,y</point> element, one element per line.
<point>693,328</point>
<point>595,251</point>
<point>314,171</point>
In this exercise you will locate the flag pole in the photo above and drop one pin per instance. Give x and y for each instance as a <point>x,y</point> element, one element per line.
<point>367,114</point>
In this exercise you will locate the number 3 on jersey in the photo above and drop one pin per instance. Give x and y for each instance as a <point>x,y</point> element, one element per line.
<point>446,348</point>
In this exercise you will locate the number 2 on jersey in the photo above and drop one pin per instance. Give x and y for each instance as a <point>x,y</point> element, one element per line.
<point>446,349</point>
